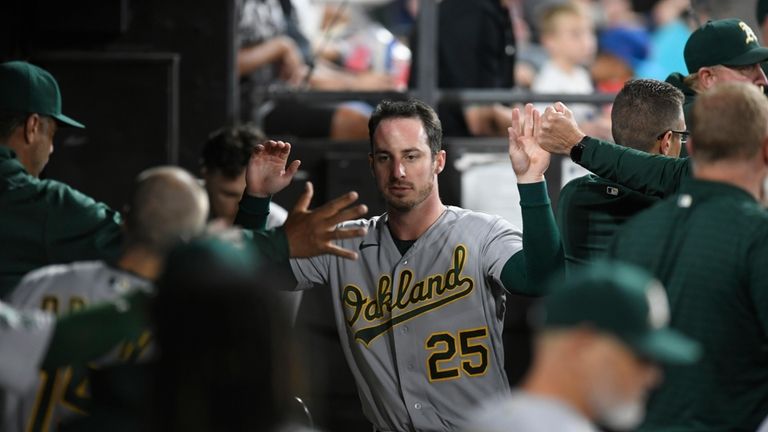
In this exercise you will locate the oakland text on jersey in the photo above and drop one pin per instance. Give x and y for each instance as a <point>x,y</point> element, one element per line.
<point>409,298</point>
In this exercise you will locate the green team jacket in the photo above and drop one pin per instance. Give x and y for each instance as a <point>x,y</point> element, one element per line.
<point>590,211</point>
<point>45,222</point>
<point>653,175</point>
<point>593,207</point>
<point>708,245</point>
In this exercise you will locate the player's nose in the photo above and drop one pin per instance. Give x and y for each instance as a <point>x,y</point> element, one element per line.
<point>398,169</point>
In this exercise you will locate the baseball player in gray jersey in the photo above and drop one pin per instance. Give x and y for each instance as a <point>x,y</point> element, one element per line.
<point>420,312</point>
<point>168,205</point>
<point>24,337</point>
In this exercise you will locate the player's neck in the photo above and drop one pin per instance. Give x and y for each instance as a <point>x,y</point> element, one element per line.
<point>141,262</point>
<point>740,174</point>
<point>411,224</point>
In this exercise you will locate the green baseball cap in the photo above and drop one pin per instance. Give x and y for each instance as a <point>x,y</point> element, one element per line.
<point>623,301</point>
<point>27,88</point>
<point>727,42</point>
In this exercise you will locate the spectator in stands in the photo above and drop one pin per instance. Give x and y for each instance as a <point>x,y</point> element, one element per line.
<point>481,55</point>
<point>270,55</point>
<point>647,115</point>
<point>568,36</point>
<point>225,156</point>
<point>601,338</point>
<point>44,221</point>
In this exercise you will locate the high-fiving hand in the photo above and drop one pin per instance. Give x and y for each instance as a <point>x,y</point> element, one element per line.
<point>311,232</point>
<point>528,159</point>
<point>267,172</point>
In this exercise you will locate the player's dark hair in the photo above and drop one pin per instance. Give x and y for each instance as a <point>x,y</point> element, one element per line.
<point>225,343</point>
<point>411,108</point>
<point>643,109</point>
<point>9,121</point>
<point>228,149</point>
<point>729,123</point>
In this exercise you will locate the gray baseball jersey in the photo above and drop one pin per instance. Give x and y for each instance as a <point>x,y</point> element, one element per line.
<point>63,394</point>
<point>24,338</point>
<point>421,331</point>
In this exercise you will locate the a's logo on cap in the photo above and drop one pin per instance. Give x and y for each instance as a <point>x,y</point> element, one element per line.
<point>748,31</point>
<point>658,307</point>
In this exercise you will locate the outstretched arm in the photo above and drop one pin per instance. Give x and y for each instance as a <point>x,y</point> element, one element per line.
<point>309,233</point>
<point>649,174</point>
<point>267,173</point>
<point>527,271</point>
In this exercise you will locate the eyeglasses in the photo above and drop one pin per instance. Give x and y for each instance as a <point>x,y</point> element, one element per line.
<point>683,135</point>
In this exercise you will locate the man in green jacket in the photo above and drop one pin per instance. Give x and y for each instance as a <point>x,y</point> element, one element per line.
<point>43,221</point>
<point>647,115</point>
<point>708,245</point>
<point>47,222</point>
<point>719,51</point>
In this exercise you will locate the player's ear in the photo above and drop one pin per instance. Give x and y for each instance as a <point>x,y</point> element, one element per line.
<point>440,158</point>
<point>707,77</point>
<point>32,127</point>
<point>665,143</point>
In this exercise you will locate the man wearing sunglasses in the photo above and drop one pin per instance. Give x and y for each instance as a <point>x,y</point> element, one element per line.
<point>647,115</point>
<point>719,51</point>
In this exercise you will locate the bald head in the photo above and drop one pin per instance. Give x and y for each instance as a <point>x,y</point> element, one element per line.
<point>168,205</point>
<point>730,123</point>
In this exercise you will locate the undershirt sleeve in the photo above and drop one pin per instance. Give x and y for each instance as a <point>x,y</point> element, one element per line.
<point>654,175</point>
<point>528,270</point>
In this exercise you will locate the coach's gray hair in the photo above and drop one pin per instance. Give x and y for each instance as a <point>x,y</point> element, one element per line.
<point>730,122</point>
<point>168,206</point>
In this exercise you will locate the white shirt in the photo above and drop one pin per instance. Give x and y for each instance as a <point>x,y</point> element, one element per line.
<point>552,79</point>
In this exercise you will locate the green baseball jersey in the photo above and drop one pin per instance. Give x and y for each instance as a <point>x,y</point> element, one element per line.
<point>654,175</point>
<point>709,247</point>
<point>47,222</point>
<point>590,211</point>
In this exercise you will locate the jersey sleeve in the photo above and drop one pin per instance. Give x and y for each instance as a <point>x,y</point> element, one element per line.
<point>24,338</point>
<point>310,272</point>
<point>503,241</point>
<point>655,175</point>
<point>253,212</point>
<point>527,271</point>
<point>78,228</point>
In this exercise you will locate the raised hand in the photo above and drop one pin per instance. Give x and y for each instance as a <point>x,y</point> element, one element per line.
<point>559,131</point>
<point>528,159</point>
<point>267,172</point>
<point>311,232</point>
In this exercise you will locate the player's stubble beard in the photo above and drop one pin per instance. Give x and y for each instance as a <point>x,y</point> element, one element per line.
<point>404,205</point>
